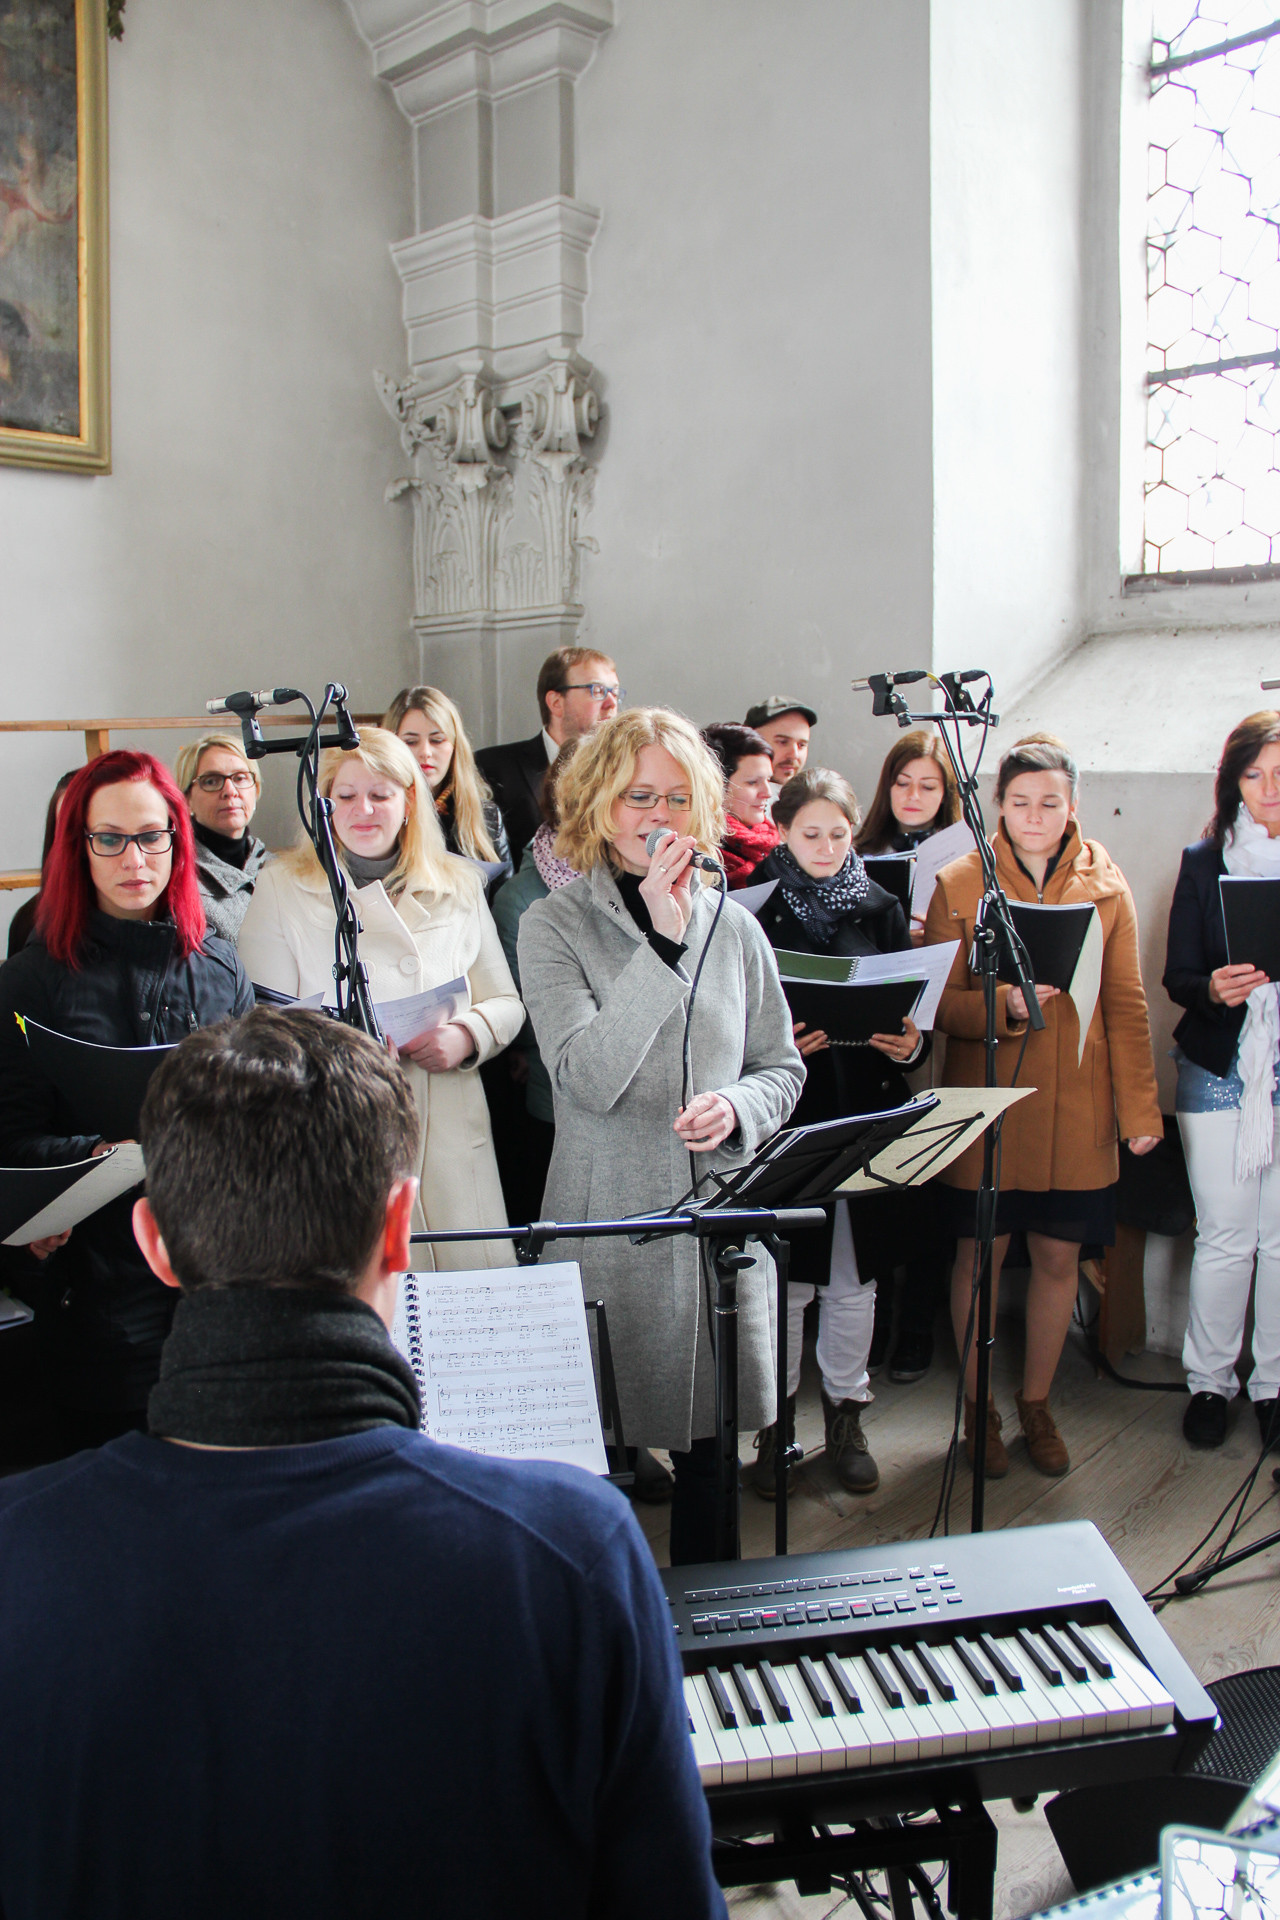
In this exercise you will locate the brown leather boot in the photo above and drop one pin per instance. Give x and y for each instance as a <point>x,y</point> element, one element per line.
<point>997,1458</point>
<point>1045,1444</point>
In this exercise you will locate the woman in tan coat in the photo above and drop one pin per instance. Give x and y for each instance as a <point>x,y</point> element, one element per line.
<point>423,922</point>
<point>1059,1158</point>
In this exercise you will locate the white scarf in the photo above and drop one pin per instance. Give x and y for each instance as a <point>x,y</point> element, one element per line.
<point>1249,849</point>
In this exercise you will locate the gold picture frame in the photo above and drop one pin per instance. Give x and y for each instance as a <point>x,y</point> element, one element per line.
<point>55,403</point>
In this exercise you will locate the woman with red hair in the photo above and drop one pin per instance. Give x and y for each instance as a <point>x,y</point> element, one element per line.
<point>120,957</point>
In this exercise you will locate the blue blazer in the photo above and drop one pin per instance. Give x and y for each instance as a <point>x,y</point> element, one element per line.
<point>1207,1034</point>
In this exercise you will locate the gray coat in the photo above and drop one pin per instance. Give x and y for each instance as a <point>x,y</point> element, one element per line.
<point>225,891</point>
<point>609,1016</point>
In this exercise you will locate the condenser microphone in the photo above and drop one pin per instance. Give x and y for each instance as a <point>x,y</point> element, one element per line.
<point>253,702</point>
<point>702,860</point>
<point>881,682</point>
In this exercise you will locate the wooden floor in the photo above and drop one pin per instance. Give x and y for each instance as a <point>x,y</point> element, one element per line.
<point>1131,1474</point>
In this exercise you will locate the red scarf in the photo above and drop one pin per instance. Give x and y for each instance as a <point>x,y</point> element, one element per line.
<point>745,847</point>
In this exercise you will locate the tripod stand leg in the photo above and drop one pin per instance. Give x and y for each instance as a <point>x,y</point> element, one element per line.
<point>728,1263</point>
<point>780,1248</point>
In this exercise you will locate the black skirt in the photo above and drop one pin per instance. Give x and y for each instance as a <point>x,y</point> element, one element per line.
<point>1087,1217</point>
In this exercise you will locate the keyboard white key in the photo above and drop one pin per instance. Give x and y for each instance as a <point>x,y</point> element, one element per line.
<point>733,1759</point>
<point>705,1752</point>
<point>808,1724</point>
<point>1136,1673</point>
<point>777,1740</point>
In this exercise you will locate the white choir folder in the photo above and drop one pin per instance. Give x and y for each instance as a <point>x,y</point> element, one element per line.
<point>502,1358</point>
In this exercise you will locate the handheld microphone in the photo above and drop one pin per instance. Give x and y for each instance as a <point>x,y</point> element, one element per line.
<point>702,860</point>
<point>254,702</point>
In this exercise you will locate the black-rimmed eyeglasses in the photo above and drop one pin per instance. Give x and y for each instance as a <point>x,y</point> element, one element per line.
<point>215,782</point>
<point>598,689</point>
<point>109,846</point>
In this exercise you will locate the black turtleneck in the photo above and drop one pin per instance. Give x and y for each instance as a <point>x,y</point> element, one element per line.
<point>1050,866</point>
<point>668,951</point>
<point>234,852</point>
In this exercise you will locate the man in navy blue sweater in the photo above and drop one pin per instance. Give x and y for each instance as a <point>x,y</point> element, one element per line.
<point>283,1655</point>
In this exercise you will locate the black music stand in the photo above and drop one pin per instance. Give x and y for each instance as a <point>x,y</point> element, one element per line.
<point>799,1167</point>
<point>781,1190</point>
<point>727,1227</point>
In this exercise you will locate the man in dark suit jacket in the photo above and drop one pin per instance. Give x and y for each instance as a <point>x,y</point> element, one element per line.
<point>577,689</point>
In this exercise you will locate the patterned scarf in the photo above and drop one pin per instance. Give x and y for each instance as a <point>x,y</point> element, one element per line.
<point>552,870</point>
<point>820,905</point>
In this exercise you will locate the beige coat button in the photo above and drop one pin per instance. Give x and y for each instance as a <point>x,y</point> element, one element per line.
<point>409,964</point>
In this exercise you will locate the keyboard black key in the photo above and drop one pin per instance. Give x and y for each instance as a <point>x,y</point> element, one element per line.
<point>776,1697</point>
<point>1038,1657</point>
<point>910,1678</point>
<point>813,1683</point>
<point>1003,1666</point>
<point>942,1686</point>
<point>882,1677</point>
<point>1091,1650</point>
<point>720,1695</point>
<point>977,1672</point>
<point>1064,1653</point>
<point>747,1694</point>
<point>842,1684</point>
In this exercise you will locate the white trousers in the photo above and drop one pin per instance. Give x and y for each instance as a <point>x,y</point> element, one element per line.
<point>1234,1222</point>
<point>845,1319</point>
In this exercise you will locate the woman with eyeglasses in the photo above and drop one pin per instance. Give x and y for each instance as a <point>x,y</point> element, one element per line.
<point>608,966</point>
<point>424,923</point>
<point>121,957</point>
<point>222,789</point>
<point>432,728</point>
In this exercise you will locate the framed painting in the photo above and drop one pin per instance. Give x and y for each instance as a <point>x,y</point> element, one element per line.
<point>54,390</point>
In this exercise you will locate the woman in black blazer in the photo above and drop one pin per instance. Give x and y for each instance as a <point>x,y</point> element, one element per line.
<point>1228,1043</point>
<point>826,902</point>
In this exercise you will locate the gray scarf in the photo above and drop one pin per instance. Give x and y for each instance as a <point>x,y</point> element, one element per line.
<point>278,1367</point>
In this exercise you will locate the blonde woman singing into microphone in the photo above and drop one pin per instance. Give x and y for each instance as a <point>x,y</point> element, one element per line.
<point>607,967</point>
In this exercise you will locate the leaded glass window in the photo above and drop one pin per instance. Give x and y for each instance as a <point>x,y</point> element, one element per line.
<point>1213,365</point>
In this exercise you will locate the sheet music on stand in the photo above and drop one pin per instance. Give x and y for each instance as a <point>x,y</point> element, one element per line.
<point>503,1362</point>
<point>952,1118</point>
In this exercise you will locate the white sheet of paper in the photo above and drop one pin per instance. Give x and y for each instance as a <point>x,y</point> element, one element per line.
<point>930,964</point>
<point>928,1148</point>
<point>753,898</point>
<point>113,1174</point>
<point>405,1020</point>
<point>949,843</point>
<point>502,1358</point>
<point>1086,981</point>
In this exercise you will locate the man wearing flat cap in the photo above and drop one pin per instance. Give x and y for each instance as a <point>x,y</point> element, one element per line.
<point>785,725</point>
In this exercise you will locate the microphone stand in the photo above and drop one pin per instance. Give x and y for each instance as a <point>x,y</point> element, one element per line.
<point>996,942</point>
<point>351,976</point>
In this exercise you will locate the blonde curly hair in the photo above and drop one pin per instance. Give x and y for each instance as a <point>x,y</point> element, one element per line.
<point>603,768</point>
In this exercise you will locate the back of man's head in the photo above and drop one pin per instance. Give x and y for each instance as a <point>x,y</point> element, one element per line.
<point>272,1143</point>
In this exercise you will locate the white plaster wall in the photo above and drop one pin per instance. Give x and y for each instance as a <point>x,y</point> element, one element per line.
<point>1006,151</point>
<point>257,176</point>
<point>759,311</point>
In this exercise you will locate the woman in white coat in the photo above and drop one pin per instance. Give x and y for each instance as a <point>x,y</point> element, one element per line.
<point>423,922</point>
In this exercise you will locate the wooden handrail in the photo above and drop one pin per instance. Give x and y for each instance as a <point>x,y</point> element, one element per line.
<point>97,740</point>
<point>97,733</point>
